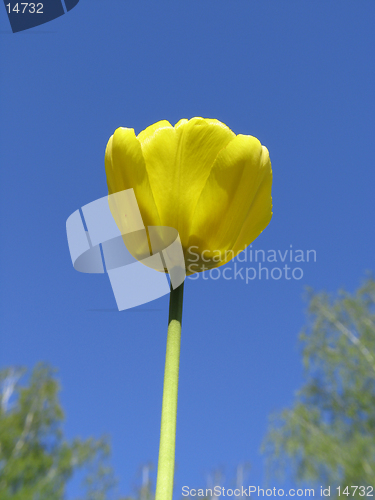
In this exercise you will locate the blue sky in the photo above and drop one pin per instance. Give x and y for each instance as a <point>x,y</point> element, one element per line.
<point>298,76</point>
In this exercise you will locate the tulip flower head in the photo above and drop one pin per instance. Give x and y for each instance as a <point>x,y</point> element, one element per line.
<point>198,177</point>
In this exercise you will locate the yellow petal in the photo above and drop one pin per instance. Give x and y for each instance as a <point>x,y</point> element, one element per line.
<point>199,178</point>
<point>178,161</point>
<point>125,169</point>
<point>261,210</point>
<point>235,204</point>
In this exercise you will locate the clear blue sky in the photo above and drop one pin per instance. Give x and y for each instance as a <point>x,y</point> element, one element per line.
<point>297,75</point>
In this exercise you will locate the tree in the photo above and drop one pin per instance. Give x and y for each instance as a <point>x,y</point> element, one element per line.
<point>36,461</point>
<point>328,436</point>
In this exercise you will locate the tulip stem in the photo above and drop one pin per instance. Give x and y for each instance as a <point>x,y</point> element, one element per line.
<point>165,476</point>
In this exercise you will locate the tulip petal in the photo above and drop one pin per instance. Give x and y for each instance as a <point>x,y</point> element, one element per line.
<point>178,161</point>
<point>235,204</point>
<point>197,177</point>
<point>260,214</point>
<point>125,169</point>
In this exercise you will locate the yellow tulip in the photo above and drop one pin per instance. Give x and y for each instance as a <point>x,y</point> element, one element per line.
<point>198,177</point>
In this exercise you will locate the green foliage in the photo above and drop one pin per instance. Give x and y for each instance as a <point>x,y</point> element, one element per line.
<point>36,461</point>
<point>328,436</point>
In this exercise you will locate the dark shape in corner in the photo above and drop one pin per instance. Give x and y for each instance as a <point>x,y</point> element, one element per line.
<point>69,4</point>
<point>23,16</point>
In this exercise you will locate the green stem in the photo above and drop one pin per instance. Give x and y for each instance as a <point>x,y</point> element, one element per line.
<point>164,484</point>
